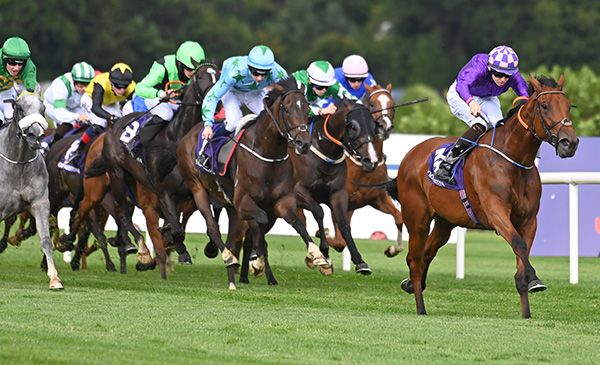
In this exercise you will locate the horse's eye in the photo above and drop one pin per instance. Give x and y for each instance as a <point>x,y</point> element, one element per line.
<point>545,106</point>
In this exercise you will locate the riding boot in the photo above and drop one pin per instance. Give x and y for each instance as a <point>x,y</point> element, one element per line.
<point>59,133</point>
<point>461,146</point>
<point>88,136</point>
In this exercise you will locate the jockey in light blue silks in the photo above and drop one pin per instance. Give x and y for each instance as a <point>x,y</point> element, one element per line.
<point>16,69</point>
<point>354,75</point>
<point>475,92</point>
<point>62,99</point>
<point>243,82</point>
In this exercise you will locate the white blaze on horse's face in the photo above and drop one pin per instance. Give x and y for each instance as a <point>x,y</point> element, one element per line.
<point>372,153</point>
<point>213,74</point>
<point>385,103</point>
<point>299,104</point>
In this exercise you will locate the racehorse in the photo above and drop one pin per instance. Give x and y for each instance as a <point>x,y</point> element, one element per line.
<point>161,190</point>
<point>320,175</point>
<point>502,186</point>
<point>23,175</point>
<point>264,182</point>
<point>366,188</point>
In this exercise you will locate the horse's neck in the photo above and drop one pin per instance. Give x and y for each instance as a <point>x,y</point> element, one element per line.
<point>333,127</point>
<point>13,147</point>
<point>266,139</point>
<point>514,140</point>
<point>187,116</point>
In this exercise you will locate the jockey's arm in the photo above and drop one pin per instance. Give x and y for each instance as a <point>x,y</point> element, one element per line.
<point>147,87</point>
<point>29,76</point>
<point>97,98</point>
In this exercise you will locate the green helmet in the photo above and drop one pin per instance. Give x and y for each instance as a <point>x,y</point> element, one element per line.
<point>15,47</point>
<point>189,53</point>
<point>82,72</point>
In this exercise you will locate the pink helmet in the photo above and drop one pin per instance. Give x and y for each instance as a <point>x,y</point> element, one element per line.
<point>355,66</point>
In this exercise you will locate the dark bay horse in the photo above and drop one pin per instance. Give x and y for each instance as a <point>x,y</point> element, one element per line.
<point>365,188</point>
<point>320,174</point>
<point>160,180</point>
<point>502,185</point>
<point>264,181</point>
<point>23,175</point>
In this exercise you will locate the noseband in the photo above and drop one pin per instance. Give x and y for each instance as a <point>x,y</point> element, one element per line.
<point>383,111</point>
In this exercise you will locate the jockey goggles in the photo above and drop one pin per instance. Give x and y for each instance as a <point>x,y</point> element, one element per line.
<point>355,79</point>
<point>500,74</point>
<point>258,72</point>
<point>14,61</point>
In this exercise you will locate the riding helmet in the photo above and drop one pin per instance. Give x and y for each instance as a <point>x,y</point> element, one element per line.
<point>503,59</point>
<point>120,74</point>
<point>15,47</point>
<point>189,53</point>
<point>82,72</point>
<point>355,66</point>
<point>261,58</point>
<point>321,73</point>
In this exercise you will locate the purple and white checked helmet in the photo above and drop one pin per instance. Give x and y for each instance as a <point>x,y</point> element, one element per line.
<point>503,59</point>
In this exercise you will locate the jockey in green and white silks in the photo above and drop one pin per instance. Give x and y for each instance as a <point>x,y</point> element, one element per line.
<point>243,82</point>
<point>62,99</point>
<point>175,67</point>
<point>321,86</point>
<point>16,69</point>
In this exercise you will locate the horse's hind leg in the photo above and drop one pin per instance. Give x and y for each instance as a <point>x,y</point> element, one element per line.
<point>98,232</point>
<point>40,211</point>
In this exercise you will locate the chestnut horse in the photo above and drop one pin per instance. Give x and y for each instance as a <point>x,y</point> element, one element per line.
<point>365,188</point>
<point>501,182</point>
<point>320,175</point>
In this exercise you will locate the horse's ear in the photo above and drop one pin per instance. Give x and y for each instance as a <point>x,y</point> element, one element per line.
<point>537,86</point>
<point>369,88</point>
<point>389,87</point>
<point>196,64</point>
<point>561,81</point>
<point>347,102</point>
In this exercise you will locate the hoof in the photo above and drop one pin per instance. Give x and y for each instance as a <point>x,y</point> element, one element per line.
<point>130,249</point>
<point>407,286</point>
<point>363,268</point>
<point>75,265</point>
<point>536,286</point>
<point>14,241</point>
<point>55,284</point>
<point>111,267</point>
<point>229,259</point>
<point>113,242</point>
<point>309,262</point>
<point>140,266</point>
<point>232,286</point>
<point>211,250</point>
<point>3,245</point>
<point>185,258</point>
<point>392,251</point>
<point>257,267</point>
<point>326,270</point>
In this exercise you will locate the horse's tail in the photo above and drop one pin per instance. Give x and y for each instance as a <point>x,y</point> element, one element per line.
<point>97,168</point>
<point>392,188</point>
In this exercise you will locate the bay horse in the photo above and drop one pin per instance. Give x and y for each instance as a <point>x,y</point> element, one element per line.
<point>502,185</point>
<point>23,175</point>
<point>264,181</point>
<point>159,191</point>
<point>320,175</point>
<point>365,188</point>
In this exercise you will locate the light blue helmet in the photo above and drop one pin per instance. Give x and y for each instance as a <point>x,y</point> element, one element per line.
<point>261,58</point>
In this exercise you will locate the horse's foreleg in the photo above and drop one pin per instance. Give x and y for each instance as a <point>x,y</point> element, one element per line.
<point>98,232</point>
<point>41,211</point>
<point>339,207</point>
<point>286,208</point>
<point>152,224</point>
<point>306,201</point>
<point>171,214</point>
<point>498,216</point>
<point>527,230</point>
<point>8,222</point>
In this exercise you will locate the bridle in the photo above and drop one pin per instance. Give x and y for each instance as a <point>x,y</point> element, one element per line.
<point>284,112</point>
<point>551,138</point>
<point>383,112</point>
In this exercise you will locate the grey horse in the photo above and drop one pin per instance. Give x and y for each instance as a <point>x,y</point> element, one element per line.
<point>23,174</point>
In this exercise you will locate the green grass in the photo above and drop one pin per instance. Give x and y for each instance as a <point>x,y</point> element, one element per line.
<point>109,318</point>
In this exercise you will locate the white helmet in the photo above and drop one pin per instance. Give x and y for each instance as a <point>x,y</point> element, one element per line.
<point>321,73</point>
<point>355,66</point>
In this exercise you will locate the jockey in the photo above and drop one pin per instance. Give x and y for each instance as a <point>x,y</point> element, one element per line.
<point>354,75</point>
<point>101,101</point>
<point>475,93</point>
<point>321,85</point>
<point>63,99</point>
<point>243,82</point>
<point>16,68</point>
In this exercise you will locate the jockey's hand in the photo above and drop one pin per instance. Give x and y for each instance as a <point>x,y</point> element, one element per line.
<point>330,109</point>
<point>113,118</point>
<point>475,108</point>
<point>207,133</point>
<point>83,118</point>
<point>163,96</point>
<point>173,94</point>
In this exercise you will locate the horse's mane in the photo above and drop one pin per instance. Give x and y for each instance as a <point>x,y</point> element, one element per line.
<point>544,80</point>
<point>288,84</point>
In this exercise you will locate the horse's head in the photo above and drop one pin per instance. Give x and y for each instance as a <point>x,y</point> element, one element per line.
<point>204,78</point>
<point>381,105</point>
<point>552,121</point>
<point>359,133</point>
<point>288,108</point>
<point>29,119</point>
